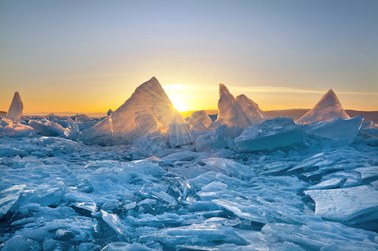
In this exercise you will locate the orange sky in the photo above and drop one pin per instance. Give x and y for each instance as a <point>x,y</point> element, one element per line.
<point>89,56</point>
<point>183,95</point>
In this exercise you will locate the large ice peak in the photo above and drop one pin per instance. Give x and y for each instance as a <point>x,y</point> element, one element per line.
<point>147,111</point>
<point>240,111</point>
<point>15,110</point>
<point>328,108</point>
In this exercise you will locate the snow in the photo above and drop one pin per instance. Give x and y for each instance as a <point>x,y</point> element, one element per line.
<point>240,111</point>
<point>15,110</point>
<point>147,111</point>
<point>328,108</point>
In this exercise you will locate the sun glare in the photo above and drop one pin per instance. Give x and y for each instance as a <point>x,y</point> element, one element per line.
<point>178,103</point>
<point>179,96</point>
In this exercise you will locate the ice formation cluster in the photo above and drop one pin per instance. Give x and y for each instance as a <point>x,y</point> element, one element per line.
<point>145,178</point>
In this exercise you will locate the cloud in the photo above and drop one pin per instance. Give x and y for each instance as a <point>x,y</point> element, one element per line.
<point>257,89</point>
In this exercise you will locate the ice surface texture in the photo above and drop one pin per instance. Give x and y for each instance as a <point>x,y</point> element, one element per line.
<point>59,194</point>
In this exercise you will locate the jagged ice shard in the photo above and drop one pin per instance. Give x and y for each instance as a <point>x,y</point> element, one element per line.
<point>147,111</point>
<point>199,121</point>
<point>270,134</point>
<point>328,108</point>
<point>240,111</point>
<point>15,110</point>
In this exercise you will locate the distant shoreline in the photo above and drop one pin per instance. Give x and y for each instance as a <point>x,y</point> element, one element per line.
<point>292,113</point>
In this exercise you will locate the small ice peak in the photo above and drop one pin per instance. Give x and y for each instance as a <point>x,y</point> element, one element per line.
<point>240,111</point>
<point>243,99</point>
<point>330,98</point>
<point>328,108</point>
<point>15,110</point>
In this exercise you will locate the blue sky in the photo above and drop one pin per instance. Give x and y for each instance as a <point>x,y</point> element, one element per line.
<point>88,56</point>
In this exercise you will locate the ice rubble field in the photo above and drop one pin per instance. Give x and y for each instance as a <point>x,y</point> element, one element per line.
<point>59,194</point>
<point>242,182</point>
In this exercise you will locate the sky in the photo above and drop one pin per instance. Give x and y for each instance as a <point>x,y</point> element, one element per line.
<point>89,56</point>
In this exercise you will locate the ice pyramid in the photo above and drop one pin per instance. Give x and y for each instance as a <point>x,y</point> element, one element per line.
<point>328,108</point>
<point>147,111</point>
<point>15,110</point>
<point>240,111</point>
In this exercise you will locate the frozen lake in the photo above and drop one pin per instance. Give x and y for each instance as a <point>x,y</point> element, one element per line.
<point>59,194</point>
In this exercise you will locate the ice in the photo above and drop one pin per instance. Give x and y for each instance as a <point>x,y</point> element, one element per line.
<point>248,212</point>
<point>64,235</point>
<point>57,193</point>
<point>179,157</point>
<point>47,128</point>
<point>179,134</point>
<point>370,172</point>
<point>15,110</point>
<point>240,111</point>
<point>82,118</point>
<point>199,121</point>
<point>113,221</point>
<point>270,134</point>
<point>147,111</point>
<point>8,197</point>
<point>72,131</point>
<point>229,167</point>
<point>87,206</point>
<point>210,141</point>
<point>329,183</point>
<point>338,130</point>
<point>16,130</point>
<point>124,246</point>
<point>222,137</point>
<point>20,243</point>
<point>346,204</point>
<point>319,235</point>
<point>328,108</point>
<point>206,234</point>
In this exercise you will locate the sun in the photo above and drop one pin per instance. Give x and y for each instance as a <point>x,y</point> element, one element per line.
<point>179,103</point>
<point>180,96</point>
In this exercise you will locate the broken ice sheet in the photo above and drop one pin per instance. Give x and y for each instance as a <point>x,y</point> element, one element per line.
<point>8,197</point>
<point>346,204</point>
